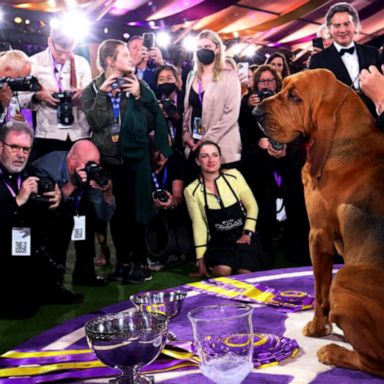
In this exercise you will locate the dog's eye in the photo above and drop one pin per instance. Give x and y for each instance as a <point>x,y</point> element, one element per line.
<point>292,95</point>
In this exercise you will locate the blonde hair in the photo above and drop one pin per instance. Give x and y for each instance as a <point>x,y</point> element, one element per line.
<point>14,58</point>
<point>219,58</point>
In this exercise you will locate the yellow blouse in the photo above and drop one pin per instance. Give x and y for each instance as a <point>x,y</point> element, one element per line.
<point>194,197</point>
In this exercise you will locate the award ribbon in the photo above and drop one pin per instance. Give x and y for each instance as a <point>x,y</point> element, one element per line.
<point>290,300</point>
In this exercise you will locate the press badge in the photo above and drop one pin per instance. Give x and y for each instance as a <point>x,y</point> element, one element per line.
<point>197,128</point>
<point>78,231</point>
<point>21,241</point>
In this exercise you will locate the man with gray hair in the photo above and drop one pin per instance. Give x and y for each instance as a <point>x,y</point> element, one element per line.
<point>344,57</point>
<point>60,120</point>
<point>27,273</point>
<point>13,63</point>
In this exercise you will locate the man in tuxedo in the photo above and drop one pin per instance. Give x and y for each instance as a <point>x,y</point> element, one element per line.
<point>344,57</point>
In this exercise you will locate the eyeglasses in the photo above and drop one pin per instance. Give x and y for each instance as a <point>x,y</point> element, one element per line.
<point>266,81</point>
<point>60,52</point>
<point>16,148</point>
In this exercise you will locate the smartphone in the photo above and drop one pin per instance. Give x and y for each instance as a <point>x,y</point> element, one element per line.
<point>317,42</point>
<point>243,69</point>
<point>149,40</point>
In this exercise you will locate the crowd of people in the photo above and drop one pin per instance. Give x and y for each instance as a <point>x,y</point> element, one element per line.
<point>143,144</point>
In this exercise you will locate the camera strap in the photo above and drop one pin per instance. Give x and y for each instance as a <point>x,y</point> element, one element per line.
<point>164,180</point>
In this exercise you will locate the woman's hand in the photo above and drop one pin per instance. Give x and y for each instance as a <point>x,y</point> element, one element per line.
<point>202,269</point>
<point>132,86</point>
<point>244,239</point>
<point>253,100</point>
<point>107,85</point>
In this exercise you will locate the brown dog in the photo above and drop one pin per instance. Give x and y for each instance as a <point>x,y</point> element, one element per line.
<point>344,192</point>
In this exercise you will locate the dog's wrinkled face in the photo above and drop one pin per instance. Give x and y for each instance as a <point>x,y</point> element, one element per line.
<point>293,111</point>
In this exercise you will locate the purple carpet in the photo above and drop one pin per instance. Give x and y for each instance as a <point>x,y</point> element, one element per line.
<point>303,368</point>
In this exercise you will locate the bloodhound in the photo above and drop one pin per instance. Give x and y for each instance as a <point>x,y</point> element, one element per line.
<point>344,192</point>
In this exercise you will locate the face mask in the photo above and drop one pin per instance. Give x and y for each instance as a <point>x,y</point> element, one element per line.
<point>206,56</point>
<point>166,89</point>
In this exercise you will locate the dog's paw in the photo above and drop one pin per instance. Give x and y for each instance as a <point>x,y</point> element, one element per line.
<point>317,329</point>
<point>332,354</point>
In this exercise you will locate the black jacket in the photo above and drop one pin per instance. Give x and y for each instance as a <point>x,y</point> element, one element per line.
<point>330,59</point>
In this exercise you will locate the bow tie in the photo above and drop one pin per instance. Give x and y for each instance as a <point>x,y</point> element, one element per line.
<point>348,50</point>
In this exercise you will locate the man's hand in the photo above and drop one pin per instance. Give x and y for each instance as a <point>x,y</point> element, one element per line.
<point>156,55</point>
<point>170,203</point>
<point>5,95</point>
<point>46,96</point>
<point>142,56</point>
<point>76,96</point>
<point>54,197</point>
<point>28,186</point>
<point>372,84</point>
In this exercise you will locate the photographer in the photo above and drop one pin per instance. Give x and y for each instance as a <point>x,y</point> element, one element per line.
<point>273,171</point>
<point>167,195</point>
<point>121,118</point>
<point>60,120</point>
<point>13,64</point>
<point>171,101</point>
<point>87,193</point>
<point>27,274</point>
<point>146,57</point>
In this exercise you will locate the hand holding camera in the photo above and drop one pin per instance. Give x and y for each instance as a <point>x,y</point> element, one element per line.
<point>253,100</point>
<point>28,187</point>
<point>163,199</point>
<point>46,96</point>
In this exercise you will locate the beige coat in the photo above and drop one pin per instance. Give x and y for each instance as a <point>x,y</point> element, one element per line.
<point>221,108</point>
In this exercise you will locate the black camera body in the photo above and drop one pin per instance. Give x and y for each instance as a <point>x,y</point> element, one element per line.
<point>44,184</point>
<point>65,108</point>
<point>160,194</point>
<point>170,109</point>
<point>21,84</point>
<point>96,173</point>
<point>264,93</point>
<point>119,81</point>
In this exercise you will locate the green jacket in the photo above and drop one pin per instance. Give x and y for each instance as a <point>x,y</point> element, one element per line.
<point>138,118</point>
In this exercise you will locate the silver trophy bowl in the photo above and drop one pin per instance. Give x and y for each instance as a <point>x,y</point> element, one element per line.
<point>163,302</point>
<point>128,341</point>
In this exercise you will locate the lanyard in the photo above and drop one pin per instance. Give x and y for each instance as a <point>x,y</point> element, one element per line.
<point>163,182</point>
<point>200,91</point>
<point>57,73</point>
<point>116,107</point>
<point>9,186</point>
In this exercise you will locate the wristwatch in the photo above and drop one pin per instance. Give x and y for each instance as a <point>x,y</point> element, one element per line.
<point>248,233</point>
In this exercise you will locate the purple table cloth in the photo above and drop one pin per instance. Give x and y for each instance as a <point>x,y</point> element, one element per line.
<point>304,368</point>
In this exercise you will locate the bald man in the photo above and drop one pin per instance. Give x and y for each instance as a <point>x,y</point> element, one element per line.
<point>13,64</point>
<point>84,200</point>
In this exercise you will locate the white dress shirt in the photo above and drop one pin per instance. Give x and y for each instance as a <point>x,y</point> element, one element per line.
<point>351,63</point>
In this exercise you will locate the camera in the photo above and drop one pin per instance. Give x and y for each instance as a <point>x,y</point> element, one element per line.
<point>95,172</point>
<point>264,93</point>
<point>119,81</point>
<point>44,184</point>
<point>21,84</point>
<point>65,109</point>
<point>160,194</point>
<point>170,109</point>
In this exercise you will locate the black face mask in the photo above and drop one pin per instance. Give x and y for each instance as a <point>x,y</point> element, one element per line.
<point>206,56</point>
<point>166,89</point>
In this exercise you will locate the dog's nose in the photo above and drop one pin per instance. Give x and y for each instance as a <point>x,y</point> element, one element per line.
<point>258,112</point>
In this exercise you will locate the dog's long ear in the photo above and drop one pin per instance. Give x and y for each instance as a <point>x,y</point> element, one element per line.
<point>324,115</point>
